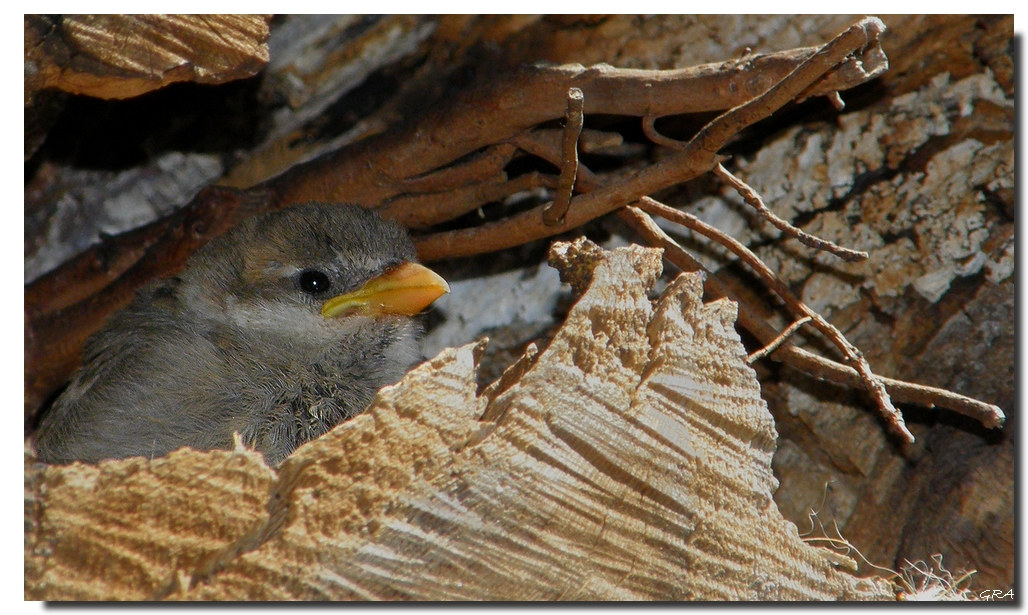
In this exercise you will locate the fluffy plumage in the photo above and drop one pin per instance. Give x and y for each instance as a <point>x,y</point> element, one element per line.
<point>237,343</point>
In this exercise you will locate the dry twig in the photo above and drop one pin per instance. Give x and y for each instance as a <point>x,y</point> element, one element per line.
<point>850,352</point>
<point>802,360</point>
<point>574,118</point>
<point>778,341</point>
<point>698,156</point>
<point>753,199</point>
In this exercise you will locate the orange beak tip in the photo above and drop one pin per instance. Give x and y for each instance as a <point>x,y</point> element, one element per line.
<point>405,290</point>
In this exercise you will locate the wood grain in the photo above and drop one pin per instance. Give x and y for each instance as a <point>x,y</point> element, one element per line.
<point>631,461</point>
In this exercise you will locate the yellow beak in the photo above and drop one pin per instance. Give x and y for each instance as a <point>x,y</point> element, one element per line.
<point>408,289</point>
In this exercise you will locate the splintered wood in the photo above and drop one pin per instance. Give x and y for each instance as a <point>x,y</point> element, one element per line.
<point>631,460</point>
<point>120,56</point>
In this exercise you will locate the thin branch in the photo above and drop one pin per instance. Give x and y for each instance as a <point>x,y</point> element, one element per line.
<point>422,210</point>
<point>850,352</point>
<point>374,170</point>
<point>698,157</point>
<point>858,37</point>
<point>989,415</point>
<point>499,110</point>
<point>574,118</point>
<point>753,199</point>
<point>478,168</point>
<point>542,144</point>
<point>590,141</point>
<point>778,341</point>
<point>651,133</point>
<point>871,63</point>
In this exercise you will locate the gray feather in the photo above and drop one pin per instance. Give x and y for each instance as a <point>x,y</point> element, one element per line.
<point>233,344</point>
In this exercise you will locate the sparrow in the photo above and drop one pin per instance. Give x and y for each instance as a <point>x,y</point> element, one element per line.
<point>278,330</point>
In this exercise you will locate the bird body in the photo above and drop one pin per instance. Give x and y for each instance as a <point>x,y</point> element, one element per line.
<point>269,332</point>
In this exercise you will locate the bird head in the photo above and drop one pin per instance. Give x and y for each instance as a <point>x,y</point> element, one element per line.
<point>311,267</point>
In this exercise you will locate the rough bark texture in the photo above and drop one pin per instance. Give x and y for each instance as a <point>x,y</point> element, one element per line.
<point>630,461</point>
<point>924,180</point>
<point>918,170</point>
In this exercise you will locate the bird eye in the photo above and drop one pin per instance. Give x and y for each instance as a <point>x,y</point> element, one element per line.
<point>314,282</point>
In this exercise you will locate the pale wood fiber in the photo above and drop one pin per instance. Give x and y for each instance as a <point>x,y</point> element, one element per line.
<point>630,461</point>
